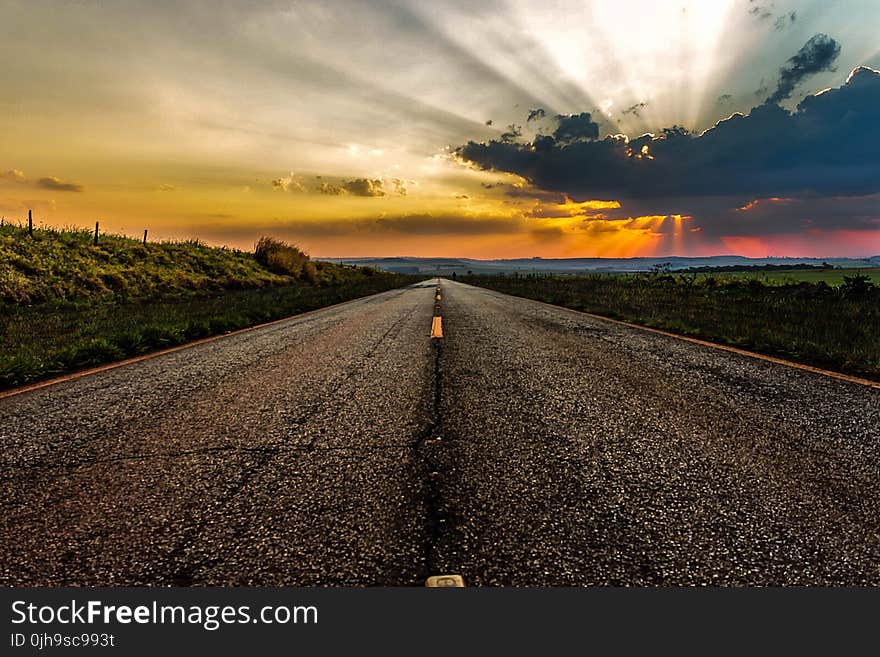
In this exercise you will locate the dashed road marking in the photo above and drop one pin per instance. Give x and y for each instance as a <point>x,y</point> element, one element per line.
<point>437,327</point>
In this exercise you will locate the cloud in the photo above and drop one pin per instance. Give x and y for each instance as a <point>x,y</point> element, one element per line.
<point>759,11</point>
<point>575,127</point>
<point>547,233</point>
<point>513,131</point>
<point>827,146</point>
<point>13,175</point>
<point>166,188</point>
<point>55,184</point>
<point>49,182</point>
<point>425,224</point>
<point>443,224</point>
<point>536,114</point>
<point>363,187</point>
<point>400,186</point>
<point>23,205</point>
<point>567,209</point>
<point>287,183</point>
<point>724,99</point>
<point>785,20</point>
<point>635,109</point>
<point>357,187</point>
<point>768,215</point>
<point>331,186</point>
<point>821,158</point>
<point>817,54</point>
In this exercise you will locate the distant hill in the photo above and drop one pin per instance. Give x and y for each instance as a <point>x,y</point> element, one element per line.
<point>446,266</point>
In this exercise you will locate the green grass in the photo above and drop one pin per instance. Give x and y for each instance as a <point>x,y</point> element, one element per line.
<point>66,304</point>
<point>64,265</point>
<point>832,327</point>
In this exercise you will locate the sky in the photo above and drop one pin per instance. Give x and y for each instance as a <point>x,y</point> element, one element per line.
<point>489,129</point>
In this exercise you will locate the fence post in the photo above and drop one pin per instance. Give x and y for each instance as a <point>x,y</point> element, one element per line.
<point>96,233</point>
<point>30,223</point>
<point>145,236</point>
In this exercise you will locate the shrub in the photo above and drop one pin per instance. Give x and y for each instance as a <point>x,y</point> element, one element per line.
<point>279,257</point>
<point>857,285</point>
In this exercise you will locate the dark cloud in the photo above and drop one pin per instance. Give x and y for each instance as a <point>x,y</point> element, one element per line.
<point>575,127</point>
<point>530,193</point>
<point>409,224</point>
<point>827,147</point>
<point>774,214</point>
<point>724,99</point>
<point>513,131</point>
<point>635,109</point>
<point>764,12</point>
<point>58,185</point>
<point>445,224</point>
<point>762,90</point>
<point>536,114</point>
<point>547,233</point>
<point>817,54</point>
<point>762,215</point>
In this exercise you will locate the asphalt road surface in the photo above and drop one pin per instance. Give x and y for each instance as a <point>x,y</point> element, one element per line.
<point>530,445</point>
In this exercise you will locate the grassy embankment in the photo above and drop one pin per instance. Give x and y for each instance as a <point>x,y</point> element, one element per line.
<point>66,304</point>
<point>814,323</point>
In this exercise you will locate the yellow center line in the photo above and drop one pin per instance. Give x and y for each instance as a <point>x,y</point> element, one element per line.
<point>437,327</point>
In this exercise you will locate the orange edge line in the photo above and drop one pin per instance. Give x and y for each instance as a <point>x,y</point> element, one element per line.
<point>715,345</point>
<point>170,350</point>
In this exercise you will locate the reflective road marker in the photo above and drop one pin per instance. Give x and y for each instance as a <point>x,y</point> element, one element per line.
<point>445,581</point>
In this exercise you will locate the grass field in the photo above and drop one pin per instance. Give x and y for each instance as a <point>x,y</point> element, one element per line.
<point>66,304</point>
<point>832,327</point>
<point>832,277</point>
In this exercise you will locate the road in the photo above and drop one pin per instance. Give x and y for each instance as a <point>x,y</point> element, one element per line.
<point>530,445</point>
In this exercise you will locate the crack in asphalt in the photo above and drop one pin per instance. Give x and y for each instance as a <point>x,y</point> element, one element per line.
<point>427,456</point>
<point>314,408</point>
<point>431,452</point>
<point>279,449</point>
<point>183,571</point>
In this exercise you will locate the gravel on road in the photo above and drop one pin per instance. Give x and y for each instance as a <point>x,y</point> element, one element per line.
<point>531,445</point>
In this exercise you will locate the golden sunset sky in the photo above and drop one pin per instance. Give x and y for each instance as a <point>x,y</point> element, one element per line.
<point>342,126</point>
